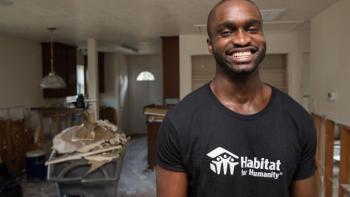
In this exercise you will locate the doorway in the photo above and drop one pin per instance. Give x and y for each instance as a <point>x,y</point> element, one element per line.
<point>142,93</point>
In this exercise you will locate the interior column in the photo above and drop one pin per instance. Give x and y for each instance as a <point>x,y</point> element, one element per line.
<point>92,77</point>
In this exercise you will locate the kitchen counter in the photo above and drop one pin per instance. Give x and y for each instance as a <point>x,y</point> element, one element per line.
<point>154,117</point>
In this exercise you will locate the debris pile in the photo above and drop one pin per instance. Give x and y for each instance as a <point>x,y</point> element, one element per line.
<point>98,142</point>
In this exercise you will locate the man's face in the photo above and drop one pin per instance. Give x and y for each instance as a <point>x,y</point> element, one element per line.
<point>236,37</point>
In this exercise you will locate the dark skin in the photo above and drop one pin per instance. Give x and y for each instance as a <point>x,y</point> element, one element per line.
<point>237,42</point>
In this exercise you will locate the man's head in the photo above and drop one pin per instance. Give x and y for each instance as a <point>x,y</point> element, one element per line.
<point>236,37</point>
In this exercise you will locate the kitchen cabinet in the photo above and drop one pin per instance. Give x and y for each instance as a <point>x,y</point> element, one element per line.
<point>65,65</point>
<point>170,49</point>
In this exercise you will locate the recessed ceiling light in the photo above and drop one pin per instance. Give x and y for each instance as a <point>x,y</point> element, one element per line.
<point>6,2</point>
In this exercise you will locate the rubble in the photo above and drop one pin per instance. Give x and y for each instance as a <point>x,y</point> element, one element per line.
<point>98,142</point>
<point>88,136</point>
<point>81,155</point>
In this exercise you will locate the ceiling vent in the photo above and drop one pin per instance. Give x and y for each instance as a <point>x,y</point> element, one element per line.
<point>272,14</point>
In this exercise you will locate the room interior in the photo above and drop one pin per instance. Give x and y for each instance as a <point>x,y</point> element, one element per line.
<point>101,47</point>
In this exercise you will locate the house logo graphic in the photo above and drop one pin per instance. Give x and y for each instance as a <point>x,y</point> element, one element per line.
<point>223,161</point>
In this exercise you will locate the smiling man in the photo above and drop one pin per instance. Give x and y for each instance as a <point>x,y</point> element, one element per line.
<point>236,136</point>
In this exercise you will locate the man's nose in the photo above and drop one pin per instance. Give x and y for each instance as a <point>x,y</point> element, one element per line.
<point>241,38</point>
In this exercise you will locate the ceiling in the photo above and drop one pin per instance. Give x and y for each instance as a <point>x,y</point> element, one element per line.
<point>136,23</point>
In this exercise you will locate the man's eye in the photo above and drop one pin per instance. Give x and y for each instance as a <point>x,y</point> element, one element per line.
<point>226,33</point>
<point>253,29</point>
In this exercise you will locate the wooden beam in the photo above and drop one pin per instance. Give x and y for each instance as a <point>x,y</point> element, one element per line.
<point>317,123</point>
<point>328,180</point>
<point>344,168</point>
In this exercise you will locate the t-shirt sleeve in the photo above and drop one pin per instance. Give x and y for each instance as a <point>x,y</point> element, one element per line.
<point>168,151</point>
<point>307,162</point>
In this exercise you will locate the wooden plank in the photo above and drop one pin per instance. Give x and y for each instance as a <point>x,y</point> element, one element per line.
<point>77,156</point>
<point>329,145</point>
<point>344,169</point>
<point>317,123</point>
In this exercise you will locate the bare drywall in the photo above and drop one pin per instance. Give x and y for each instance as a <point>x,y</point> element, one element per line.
<point>20,72</point>
<point>330,62</point>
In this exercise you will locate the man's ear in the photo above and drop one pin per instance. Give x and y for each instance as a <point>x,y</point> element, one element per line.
<point>210,46</point>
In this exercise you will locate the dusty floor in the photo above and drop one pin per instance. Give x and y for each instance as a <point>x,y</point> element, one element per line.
<point>135,181</point>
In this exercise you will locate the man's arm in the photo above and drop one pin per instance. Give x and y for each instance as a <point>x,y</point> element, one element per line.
<point>304,188</point>
<point>171,183</point>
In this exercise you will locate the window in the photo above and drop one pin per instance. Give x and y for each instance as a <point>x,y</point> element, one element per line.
<point>145,76</point>
<point>80,80</point>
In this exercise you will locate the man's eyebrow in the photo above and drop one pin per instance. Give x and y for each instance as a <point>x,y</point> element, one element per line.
<point>251,22</point>
<point>232,24</point>
<point>227,24</point>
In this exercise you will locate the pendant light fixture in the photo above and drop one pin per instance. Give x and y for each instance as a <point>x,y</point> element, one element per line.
<point>52,81</point>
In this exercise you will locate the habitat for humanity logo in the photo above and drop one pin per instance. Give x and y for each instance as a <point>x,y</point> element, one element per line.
<point>224,162</point>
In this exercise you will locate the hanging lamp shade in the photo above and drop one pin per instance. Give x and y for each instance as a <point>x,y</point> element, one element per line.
<point>52,81</point>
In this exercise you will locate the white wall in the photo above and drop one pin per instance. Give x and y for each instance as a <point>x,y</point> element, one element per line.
<point>20,72</point>
<point>142,93</point>
<point>330,62</point>
<point>189,45</point>
<point>116,84</point>
<point>293,43</point>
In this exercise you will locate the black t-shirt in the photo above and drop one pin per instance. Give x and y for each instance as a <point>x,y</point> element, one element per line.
<point>225,153</point>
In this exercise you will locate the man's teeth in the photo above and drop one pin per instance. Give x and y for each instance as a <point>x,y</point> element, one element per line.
<point>240,54</point>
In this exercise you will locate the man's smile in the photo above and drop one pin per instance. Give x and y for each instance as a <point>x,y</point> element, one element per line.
<point>241,56</point>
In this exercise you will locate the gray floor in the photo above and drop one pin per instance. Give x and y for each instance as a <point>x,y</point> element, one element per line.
<point>135,181</point>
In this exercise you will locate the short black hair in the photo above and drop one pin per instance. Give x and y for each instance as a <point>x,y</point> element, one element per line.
<point>213,10</point>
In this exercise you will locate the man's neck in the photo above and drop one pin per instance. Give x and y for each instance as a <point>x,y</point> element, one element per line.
<point>244,94</point>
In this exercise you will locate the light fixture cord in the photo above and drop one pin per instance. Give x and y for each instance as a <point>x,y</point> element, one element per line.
<point>51,50</point>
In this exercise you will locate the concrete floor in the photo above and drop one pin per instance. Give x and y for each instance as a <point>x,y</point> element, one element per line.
<point>135,180</point>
